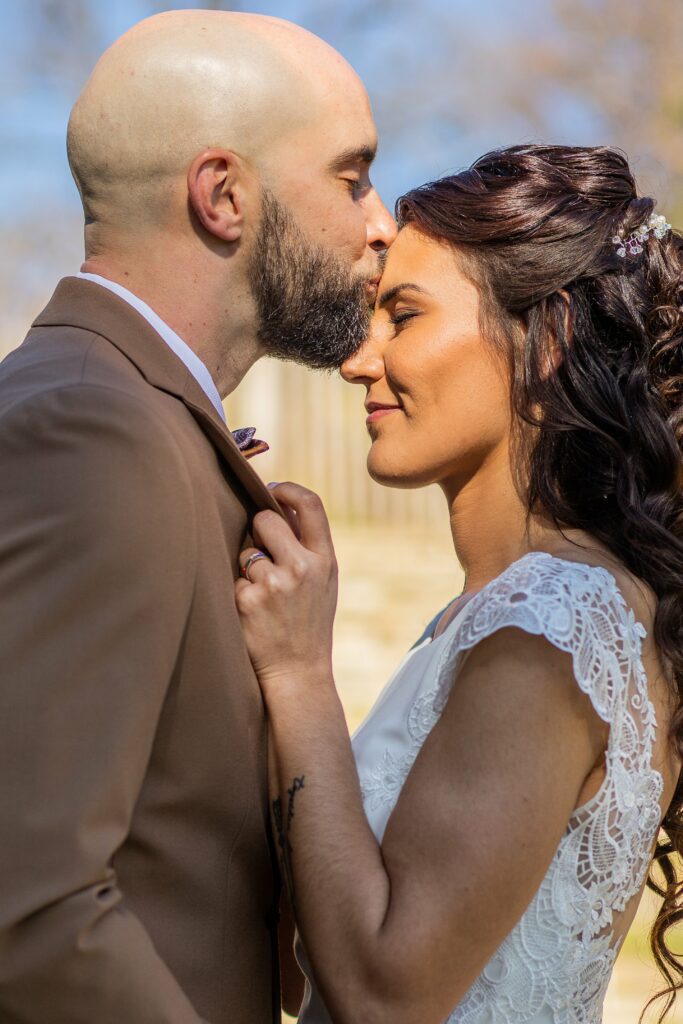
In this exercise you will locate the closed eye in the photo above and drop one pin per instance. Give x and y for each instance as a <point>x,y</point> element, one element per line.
<point>357,187</point>
<point>400,318</point>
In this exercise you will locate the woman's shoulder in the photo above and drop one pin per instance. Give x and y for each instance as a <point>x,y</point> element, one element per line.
<point>596,562</point>
<point>578,607</point>
<point>541,582</point>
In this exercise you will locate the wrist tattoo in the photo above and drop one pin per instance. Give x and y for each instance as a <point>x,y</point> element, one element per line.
<point>282,830</point>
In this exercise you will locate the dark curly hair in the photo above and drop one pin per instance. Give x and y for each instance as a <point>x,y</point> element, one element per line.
<point>600,374</point>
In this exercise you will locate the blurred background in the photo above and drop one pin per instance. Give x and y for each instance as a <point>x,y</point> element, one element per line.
<point>449,79</point>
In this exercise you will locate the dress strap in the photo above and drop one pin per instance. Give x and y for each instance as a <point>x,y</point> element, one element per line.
<point>429,630</point>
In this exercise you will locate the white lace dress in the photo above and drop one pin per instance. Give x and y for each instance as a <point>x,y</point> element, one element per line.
<point>554,966</point>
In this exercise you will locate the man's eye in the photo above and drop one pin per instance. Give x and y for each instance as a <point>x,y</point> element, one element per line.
<point>357,187</point>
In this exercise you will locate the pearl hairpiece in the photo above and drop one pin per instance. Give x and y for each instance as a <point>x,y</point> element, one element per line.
<point>656,224</point>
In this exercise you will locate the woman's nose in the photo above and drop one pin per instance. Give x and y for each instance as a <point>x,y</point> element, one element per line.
<point>367,363</point>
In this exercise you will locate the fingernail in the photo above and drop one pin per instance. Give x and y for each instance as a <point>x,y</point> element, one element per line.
<point>274,483</point>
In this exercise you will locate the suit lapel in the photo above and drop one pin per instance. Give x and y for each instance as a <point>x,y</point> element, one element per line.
<point>86,304</point>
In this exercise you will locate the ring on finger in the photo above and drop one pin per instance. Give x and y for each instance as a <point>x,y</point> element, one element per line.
<point>257,556</point>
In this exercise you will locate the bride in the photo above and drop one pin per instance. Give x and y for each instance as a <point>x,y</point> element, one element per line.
<point>477,854</point>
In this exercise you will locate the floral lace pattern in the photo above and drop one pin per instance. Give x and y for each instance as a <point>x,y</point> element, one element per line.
<point>556,963</point>
<point>384,782</point>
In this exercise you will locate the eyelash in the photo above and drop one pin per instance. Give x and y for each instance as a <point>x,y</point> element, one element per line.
<point>400,318</point>
<point>357,186</point>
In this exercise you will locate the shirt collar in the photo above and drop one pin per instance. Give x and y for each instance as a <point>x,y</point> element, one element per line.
<point>191,360</point>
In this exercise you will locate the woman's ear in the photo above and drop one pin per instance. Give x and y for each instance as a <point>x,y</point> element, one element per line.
<point>216,194</point>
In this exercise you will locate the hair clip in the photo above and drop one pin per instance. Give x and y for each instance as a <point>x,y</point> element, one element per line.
<point>656,224</point>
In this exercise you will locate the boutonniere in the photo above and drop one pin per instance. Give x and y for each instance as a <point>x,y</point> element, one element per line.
<point>247,443</point>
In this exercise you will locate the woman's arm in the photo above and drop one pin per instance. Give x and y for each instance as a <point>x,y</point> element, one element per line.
<point>398,933</point>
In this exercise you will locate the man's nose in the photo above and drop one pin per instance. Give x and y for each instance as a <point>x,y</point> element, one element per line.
<point>381,225</point>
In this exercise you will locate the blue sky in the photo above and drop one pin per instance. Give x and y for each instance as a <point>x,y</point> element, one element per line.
<point>438,72</point>
<point>392,45</point>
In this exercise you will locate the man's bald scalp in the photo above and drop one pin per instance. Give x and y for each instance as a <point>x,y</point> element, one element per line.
<point>183,82</point>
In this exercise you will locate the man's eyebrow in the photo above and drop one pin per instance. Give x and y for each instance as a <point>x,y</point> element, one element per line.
<point>393,292</point>
<point>354,155</point>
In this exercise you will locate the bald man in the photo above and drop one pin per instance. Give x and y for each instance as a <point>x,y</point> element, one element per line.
<point>223,165</point>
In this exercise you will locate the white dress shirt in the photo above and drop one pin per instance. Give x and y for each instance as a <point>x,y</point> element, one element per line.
<point>173,340</point>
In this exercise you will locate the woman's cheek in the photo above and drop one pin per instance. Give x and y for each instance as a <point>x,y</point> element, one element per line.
<point>407,453</point>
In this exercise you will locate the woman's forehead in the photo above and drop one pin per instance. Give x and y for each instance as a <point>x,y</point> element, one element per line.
<point>420,259</point>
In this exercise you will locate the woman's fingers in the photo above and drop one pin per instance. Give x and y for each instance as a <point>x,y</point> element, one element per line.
<point>288,598</point>
<point>314,529</point>
<point>273,534</point>
<point>288,513</point>
<point>253,564</point>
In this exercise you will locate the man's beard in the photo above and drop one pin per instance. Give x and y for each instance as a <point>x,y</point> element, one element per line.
<point>311,310</point>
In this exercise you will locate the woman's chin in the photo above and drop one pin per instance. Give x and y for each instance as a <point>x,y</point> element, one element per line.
<point>390,473</point>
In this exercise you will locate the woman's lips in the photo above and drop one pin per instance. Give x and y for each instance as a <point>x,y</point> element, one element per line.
<point>377,411</point>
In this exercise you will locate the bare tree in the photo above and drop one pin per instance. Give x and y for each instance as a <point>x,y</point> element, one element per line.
<point>619,62</point>
<point>443,90</point>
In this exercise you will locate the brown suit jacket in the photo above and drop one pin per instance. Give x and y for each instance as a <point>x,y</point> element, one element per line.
<point>137,881</point>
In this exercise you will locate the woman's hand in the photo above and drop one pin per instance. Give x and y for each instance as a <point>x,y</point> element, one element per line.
<point>287,612</point>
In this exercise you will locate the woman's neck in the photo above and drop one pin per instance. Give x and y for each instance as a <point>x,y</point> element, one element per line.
<point>489,523</point>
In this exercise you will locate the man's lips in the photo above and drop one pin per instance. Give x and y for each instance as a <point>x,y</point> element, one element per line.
<point>372,287</point>
<point>377,410</point>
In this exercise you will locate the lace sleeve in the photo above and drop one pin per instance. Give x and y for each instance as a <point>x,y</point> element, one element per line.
<point>555,964</point>
<point>578,608</point>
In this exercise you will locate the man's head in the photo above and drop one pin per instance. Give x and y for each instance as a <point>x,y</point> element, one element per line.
<point>238,146</point>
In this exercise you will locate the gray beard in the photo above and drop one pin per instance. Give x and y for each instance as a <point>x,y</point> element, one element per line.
<point>311,311</point>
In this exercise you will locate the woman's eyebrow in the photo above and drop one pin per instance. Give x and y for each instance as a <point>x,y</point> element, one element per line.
<point>406,286</point>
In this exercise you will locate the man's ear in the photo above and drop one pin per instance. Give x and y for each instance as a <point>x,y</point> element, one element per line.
<point>215,193</point>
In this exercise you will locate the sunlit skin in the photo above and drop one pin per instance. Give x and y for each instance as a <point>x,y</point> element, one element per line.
<point>183,122</point>
<point>451,422</point>
<point>518,746</point>
<point>451,406</point>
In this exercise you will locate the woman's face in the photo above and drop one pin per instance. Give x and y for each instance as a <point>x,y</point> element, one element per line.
<point>438,393</point>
